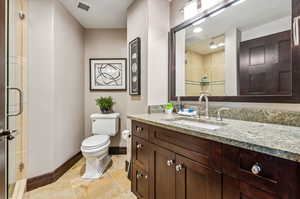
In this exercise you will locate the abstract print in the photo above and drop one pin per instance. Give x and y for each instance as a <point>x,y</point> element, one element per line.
<point>108,74</point>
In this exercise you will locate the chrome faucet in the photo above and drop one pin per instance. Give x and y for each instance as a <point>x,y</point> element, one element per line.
<point>219,115</point>
<point>205,96</point>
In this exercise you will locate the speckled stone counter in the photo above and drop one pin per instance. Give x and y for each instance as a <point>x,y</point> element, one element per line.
<point>276,140</point>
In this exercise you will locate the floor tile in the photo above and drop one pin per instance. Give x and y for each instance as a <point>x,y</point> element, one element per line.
<point>114,184</point>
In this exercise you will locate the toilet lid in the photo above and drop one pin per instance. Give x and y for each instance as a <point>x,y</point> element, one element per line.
<point>95,141</point>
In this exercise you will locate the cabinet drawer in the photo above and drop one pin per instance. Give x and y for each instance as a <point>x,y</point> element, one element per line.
<point>267,173</point>
<point>252,168</point>
<point>140,130</point>
<point>203,151</point>
<point>140,182</point>
<point>234,189</point>
<point>141,151</point>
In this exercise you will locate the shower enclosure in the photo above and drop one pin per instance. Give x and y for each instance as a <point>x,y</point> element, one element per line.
<point>16,94</point>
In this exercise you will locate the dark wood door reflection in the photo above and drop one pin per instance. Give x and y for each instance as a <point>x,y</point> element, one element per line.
<point>265,65</point>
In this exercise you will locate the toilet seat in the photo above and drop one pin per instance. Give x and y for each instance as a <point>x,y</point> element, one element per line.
<point>95,142</point>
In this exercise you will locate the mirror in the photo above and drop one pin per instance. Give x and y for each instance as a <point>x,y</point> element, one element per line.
<point>243,49</point>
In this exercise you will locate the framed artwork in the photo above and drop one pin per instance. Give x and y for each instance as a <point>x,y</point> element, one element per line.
<point>108,74</point>
<point>135,67</point>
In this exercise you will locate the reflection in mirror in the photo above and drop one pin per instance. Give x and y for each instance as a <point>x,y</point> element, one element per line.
<point>244,49</point>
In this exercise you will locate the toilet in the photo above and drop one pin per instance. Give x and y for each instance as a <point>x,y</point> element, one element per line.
<point>95,148</point>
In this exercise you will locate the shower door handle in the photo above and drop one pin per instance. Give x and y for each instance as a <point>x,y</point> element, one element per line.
<point>9,134</point>
<point>20,102</point>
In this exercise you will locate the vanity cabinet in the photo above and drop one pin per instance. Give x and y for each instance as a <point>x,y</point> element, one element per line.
<point>172,165</point>
<point>179,166</point>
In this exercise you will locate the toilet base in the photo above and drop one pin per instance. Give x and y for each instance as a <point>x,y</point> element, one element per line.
<point>95,167</point>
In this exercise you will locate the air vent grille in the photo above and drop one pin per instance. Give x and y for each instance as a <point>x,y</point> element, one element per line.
<point>83,6</point>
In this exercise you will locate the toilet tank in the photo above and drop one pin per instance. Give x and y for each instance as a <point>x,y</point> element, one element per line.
<point>105,124</point>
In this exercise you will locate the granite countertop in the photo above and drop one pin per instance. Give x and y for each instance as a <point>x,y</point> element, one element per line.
<point>276,140</point>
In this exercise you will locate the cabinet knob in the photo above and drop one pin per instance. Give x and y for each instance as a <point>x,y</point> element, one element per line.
<point>170,163</point>
<point>256,169</point>
<point>139,146</point>
<point>178,167</point>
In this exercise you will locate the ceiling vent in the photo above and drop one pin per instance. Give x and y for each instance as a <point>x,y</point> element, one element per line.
<point>83,6</point>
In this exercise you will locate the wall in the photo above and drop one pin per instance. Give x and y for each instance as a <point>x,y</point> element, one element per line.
<point>194,71</point>
<point>40,87</point>
<point>137,26</point>
<point>232,41</point>
<point>198,66</point>
<point>149,20</point>
<point>214,67</point>
<point>180,63</point>
<point>273,27</point>
<point>55,93</point>
<point>69,85</point>
<point>159,12</point>
<point>104,43</point>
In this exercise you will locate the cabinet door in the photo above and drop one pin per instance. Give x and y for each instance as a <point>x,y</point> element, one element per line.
<point>195,181</point>
<point>162,172</point>
<point>235,189</point>
<point>140,182</point>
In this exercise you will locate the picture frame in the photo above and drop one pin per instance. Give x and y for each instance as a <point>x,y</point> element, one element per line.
<point>135,67</point>
<point>108,74</point>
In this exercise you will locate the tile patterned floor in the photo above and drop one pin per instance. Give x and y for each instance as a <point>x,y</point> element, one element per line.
<point>113,185</point>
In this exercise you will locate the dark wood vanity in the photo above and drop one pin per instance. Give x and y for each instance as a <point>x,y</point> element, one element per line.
<point>169,165</point>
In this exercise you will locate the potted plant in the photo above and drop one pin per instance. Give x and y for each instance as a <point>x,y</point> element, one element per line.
<point>105,104</point>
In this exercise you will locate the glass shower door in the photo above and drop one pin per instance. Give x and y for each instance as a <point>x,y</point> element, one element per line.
<point>16,84</point>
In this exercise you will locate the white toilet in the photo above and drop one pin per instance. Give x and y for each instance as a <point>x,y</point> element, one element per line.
<point>95,148</point>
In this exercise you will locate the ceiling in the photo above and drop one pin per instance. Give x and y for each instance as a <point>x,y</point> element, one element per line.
<point>102,13</point>
<point>247,15</point>
<point>202,46</point>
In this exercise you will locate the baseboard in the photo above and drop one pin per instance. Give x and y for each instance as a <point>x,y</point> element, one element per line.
<point>117,150</point>
<point>42,180</point>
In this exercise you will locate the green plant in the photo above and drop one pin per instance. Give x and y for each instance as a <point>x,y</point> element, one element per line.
<point>105,104</point>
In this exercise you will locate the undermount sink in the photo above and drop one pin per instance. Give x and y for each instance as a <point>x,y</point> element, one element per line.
<point>198,123</point>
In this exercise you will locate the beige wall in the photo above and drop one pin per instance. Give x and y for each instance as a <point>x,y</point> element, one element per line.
<point>69,85</point>
<point>149,20</point>
<point>137,26</point>
<point>158,51</point>
<point>40,88</point>
<point>104,43</point>
<point>214,68</point>
<point>55,91</point>
<point>194,70</point>
<point>198,66</point>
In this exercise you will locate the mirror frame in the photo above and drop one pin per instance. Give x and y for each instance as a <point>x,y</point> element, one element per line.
<point>293,98</point>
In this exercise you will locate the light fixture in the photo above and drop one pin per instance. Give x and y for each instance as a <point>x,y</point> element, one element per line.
<point>213,45</point>
<point>197,30</point>
<point>190,10</point>
<point>221,44</point>
<point>217,13</point>
<point>238,2</point>
<point>200,21</point>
